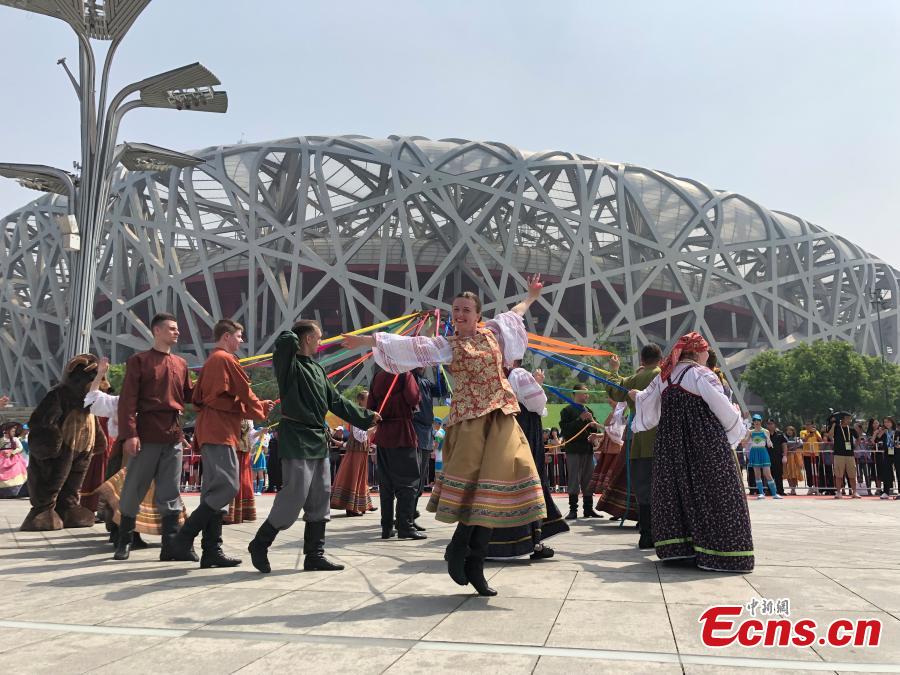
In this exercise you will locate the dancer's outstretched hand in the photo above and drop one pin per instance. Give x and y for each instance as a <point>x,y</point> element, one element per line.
<point>376,419</point>
<point>357,341</point>
<point>535,286</point>
<point>614,363</point>
<point>633,394</point>
<point>539,376</point>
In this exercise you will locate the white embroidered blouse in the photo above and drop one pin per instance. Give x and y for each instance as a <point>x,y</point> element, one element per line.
<point>530,394</point>
<point>700,381</point>
<point>104,405</point>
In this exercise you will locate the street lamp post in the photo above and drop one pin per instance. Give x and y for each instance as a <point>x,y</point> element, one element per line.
<point>877,299</point>
<point>187,88</point>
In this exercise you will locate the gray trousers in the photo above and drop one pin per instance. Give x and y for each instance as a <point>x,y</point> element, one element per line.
<point>580,468</point>
<point>220,481</point>
<point>307,487</point>
<point>156,461</point>
<point>642,479</point>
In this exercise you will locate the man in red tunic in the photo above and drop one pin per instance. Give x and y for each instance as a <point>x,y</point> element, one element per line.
<point>155,390</point>
<point>396,397</point>
<point>223,397</point>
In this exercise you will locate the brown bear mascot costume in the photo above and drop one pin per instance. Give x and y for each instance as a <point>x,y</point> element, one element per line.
<point>63,436</point>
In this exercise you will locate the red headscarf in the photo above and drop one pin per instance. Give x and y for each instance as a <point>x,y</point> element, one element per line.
<point>692,342</point>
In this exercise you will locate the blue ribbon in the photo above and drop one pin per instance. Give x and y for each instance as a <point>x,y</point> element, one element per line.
<point>575,367</point>
<point>563,396</point>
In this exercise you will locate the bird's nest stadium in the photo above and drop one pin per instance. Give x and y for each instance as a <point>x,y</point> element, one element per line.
<point>351,230</point>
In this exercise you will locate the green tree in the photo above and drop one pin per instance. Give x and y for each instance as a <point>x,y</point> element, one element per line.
<point>805,381</point>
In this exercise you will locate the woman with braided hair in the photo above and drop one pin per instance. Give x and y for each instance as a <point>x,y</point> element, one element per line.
<point>699,512</point>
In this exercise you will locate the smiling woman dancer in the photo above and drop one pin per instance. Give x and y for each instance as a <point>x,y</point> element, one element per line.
<point>489,478</point>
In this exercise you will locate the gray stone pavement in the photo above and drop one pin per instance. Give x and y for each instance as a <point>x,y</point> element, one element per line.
<point>599,606</point>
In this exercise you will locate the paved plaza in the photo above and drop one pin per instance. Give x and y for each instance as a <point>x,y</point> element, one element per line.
<point>599,606</point>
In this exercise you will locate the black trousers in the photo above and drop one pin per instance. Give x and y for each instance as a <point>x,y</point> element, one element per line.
<point>398,478</point>
<point>887,465</point>
<point>776,457</point>
<point>424,461</point>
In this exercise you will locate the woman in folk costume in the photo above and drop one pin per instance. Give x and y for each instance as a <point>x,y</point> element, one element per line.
<point>350,490</point>
<point>243,507</point>
<point>609,442</point>
<point>699,510</point>
<point>489,478</point>
<point>148,520</point>
<point>515,542</point>
<point>617,497</point>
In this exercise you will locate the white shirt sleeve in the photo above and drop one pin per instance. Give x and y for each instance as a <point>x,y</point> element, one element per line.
<point>359,434</point>
<point>102,404</point>
<point>528,391</point>
<point>710,389</point>
<point>648,407</point>
<point>509,328</point>
<point>401,353</point>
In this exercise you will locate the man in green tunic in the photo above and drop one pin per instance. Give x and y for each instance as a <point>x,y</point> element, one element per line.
<point>641,443</point>
<point>306,396</point>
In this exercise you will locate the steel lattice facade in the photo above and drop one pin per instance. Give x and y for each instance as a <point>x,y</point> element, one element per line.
<point>352,230</point>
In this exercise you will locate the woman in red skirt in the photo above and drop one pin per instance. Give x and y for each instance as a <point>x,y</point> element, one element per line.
<point>243,508</point>
<point>350,490</point>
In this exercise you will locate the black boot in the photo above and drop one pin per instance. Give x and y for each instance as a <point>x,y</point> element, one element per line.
<point>573,508</point>
<point>456,553</point>
<point>645,543</point>
<point>314,549</point>
<point>125,530</point>
<point>387,516</point>
<point>259,547</point>
<point>137,543</point>
<point>589,508</point>
<point>211,543</point>
<point>181,545</point>
<point>113,530</point>
<point>478,546</point>
<point>405,516</point>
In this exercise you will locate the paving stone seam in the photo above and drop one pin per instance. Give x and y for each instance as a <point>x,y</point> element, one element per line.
<point>559,611</point>
<point>465,647</point>
<point>662,588</point>
<point>878,607</point>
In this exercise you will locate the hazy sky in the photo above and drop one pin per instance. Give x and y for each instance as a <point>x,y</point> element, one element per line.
<point>795,104</point>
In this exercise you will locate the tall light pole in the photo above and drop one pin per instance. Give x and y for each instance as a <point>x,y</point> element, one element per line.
<point>186,88</point>
<point>877,299</point>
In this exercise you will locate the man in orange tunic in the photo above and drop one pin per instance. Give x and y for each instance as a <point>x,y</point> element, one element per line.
<point>223,397</point>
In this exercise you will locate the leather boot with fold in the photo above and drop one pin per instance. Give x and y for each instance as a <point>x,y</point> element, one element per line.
<point>405,516</point>
<point>573,508</point>
<point>645,543</point>
<point>123,545</point>
<point>211,543</point>
<point>456,553</point>
<point>180,546</point>
<point>478,547</point>
<point>259,547</point>
<point>387,517</point>
<point>171,550</point>
<point>314,549</point>
<point>589,507</point>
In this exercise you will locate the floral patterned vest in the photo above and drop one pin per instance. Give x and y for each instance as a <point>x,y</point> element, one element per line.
<point>481,386</point>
